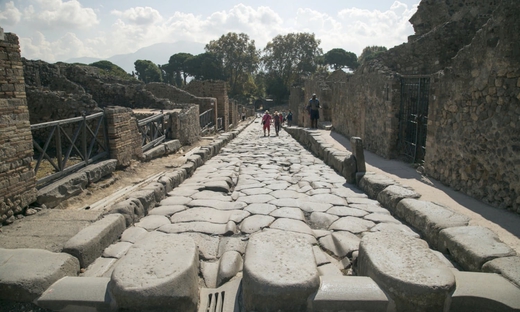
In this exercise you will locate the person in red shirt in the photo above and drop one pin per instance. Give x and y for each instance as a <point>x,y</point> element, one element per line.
<point>266,122</point>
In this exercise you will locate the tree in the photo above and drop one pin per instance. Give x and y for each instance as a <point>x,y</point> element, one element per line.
<point>147,71</point>
<point>239,58</point>
<point>339,58</point>
<point>205,66</point>
<point>369,53</point>
<point>176,68</point>
<point>112,69</point>
<point>287,58</point>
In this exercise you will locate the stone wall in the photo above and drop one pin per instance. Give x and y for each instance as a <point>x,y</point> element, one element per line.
<point>215,89</point>
<point>323,93</point>
<point>17,180</point>
<point>473,142</point>
<point>296,102</point>
<point>123,135</point>
<point>176,95</point>
<point>185,124</point>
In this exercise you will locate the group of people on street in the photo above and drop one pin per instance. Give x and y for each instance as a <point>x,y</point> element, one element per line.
<point>278,119</point>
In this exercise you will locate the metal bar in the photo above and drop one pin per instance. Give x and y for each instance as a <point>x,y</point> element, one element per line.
<point>153,143</point>
<point>149,119</point>
<point>84,139</point>
<point>43,181</point>
<point>44,150</point>
<point>94,140</point>
<point>55,123</point>
<point>43,155</point>
<point>73,145</point>
<point>58,148</point>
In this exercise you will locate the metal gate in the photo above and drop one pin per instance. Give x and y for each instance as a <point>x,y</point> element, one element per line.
<point>413,118</point>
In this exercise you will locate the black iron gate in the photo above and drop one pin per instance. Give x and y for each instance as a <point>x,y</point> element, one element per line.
<point>413,118</point>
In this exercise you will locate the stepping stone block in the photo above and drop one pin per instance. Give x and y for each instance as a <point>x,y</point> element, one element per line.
<point>348,294</point>
<point>279,272</point>
<point>26,273</point>
<point>159,272</point>
<point>407,270</point>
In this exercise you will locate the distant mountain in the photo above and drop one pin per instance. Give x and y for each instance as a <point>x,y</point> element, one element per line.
<point>158,53</point>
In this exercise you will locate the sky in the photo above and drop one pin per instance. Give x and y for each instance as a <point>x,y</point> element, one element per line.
<point>58,30</point>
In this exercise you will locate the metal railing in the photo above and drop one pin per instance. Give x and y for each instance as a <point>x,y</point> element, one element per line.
<point>70,144</point>
<point>220,124</point>
<point>206,119</point>
<point>153,131</point>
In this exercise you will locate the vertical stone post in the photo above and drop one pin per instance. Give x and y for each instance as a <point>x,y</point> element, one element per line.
<point>359,154</point>
<point>124,138</point>
<point>17,178</point>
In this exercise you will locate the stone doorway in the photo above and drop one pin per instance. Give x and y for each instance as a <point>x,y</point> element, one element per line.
<point>413,118</point>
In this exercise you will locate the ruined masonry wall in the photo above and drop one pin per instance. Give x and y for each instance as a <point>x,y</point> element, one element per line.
<point>216,89</point>
<point>185,125</point>
<point>17,180</point>
<point>473,142</point>
<point>176,95</point>
<point>123,135</point>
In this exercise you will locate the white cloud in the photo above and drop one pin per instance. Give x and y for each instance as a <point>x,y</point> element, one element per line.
<point>10,15</point>
<point>57,14</point>
<point>68,46</point>
<point>140,16</point>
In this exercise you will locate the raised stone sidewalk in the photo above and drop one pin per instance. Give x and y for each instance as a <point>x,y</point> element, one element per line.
<point>269,213</point>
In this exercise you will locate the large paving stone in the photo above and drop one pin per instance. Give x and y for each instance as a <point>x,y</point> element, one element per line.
<point>393,194</point>
<point>291,213</point>
<point>131,209</point>
<point>90,242</point>
<point>373,184</point>
<point>256,199</point>
<point>472,246</point>
<point>26,273</point>
<point>217,204</point>
<point>263,209</point>
<point>340,243</point>
<point>406,269</point>
<point>53,194</point>
<point>484,292</point>
<point>279,272</point>
<point>77,294</point>
<point>328,198</point>
<point>429,218</point>
<point>230,264</point>
<point>348,294</point>
<point>352,224</point>
<point>97,171</point>
<point>159,272</point>
<point>207,244</point>
<point>212,195</point>
<point>508,267</point>
<point>291,225</point>
<point>166,210</point>
<point>197,227</point>
<point>343,211</point>
<point>152,222</point>
<point>255,223</point>
<point>394,228</point>
<point>322,220</point>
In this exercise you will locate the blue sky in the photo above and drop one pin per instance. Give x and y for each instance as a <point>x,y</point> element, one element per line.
<point>57,30</point>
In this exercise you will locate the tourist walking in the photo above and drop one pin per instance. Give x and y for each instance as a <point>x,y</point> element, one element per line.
<point>266,123</point>
<point>278,117</point>
<point>313,107</point>
<point>289,119</point>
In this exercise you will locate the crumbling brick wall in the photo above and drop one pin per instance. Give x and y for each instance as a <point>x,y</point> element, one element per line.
<point>123,135</point>
<point>185,124</point>
<point>215,89</point>
<point>17,179</point>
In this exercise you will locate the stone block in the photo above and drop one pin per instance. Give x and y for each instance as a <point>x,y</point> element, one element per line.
<point>348,294</point>
<point>90,242</point>
<point>154,152</point>
<point>189,167</point>
<point>393,194</point>
<point>373,184</point>
<point>279,272</point>
<point>52,195</point>
<point>159,190</point>
<point>196,159</point>
<point>77,294</point>
<point>101,267</point>
<point>407,270</point>
<point>429,218</point>
<point>160,272</point>
<point>484,292</point>
<point>472,246</point>
<point>229,265</point>
<point>132,210</point>
<point>349,169</point>
<point>26,273</point>
<point>508,267</point>
<point>146,197</point>
<point>172,146</point>
<point>96,172</point>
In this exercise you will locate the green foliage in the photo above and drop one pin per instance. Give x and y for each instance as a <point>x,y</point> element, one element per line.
<point>147,71</point>
<point>204,66</point>
<point>370,53</point>
<point>112,69</point>
<point>175,70</point>
<point>287,58</point>
<point>239,58</point>
<point>339,58</point>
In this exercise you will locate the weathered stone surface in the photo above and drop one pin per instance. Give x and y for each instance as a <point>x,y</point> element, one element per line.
<point>343,211</point>
<point>26,273</point>
<point>329,199</point>
<point>90,242</point>
<point>207,244</point>
<point>217,186</point>
<point>329,269</point>
<point>292,226</point>
<point>379,217</point>
<point>101,267</point>
<point>158,272</point>
<point>132,210</point>
<point>76,294</point>
<point>217,204</point>
<point>429,218</point>
<point>199,227</point>
<point>154,152</point>
<point>320,256</point>
<point>211,195</point>
<point>484,292</point>
<point>133,234</point>
<point>393,194</point>
<point>209,272</point>
<point>166,211</point>
<point>406,269</point>
<point>146,197</point>
<point>352,224</point>
<point>314,206</point>
<point>393,227</point>
<point>340,243</point>
<point>71,185</point>
<point>258,199</point>
<point>99,170</point>
<point>175,200</point>
<point>232,243</point>
<point>203,214</point>
<point>116,250</point>
<point>373,184</point>
<point>508,267</point>
<point>172,146</point>
<point>230,264</point>
<point>472,246</point>
<point>159,190</point>
<point>255,223</point>
<point>264,209</point>
<point>349,294</point>
<point>152,222</point>
<point>279,273</point>
<point>291,213</point>
<point>322,220</point>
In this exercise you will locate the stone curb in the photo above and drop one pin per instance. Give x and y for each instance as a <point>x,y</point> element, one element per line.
<point>428,222</point>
